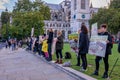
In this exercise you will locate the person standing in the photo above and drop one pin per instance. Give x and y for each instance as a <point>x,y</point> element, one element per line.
<point>45,48</point>
<point>59,47</point>
<point>50,40</point>
<point>103,32</point>
<point>40,45</point>
<point>9,43</point>
<point>78,56</point>
<point>119,46</point>
<point>6,43</point>
<point>31,42</point>
<point>83,46</point>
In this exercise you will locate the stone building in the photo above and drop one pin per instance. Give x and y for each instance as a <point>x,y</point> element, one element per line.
<point>83,10</point>
<point>80,14</point>
<point>60,18</point>
<point>70,14</point>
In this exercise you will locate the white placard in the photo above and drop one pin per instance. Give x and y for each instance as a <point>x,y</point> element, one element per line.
<point>97,45</point>
<point>94,30</point>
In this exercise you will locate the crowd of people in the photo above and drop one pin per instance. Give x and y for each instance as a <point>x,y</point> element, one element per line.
<point>13,43</point>
<point>43,45</point>
<point>83,50</point>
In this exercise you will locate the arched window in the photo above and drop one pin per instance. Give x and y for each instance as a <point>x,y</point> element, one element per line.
<point>83,4</point>
<point>59,25</point>
<point>53,25</point>
<point>50,25</point>
<point>63,33</point>
<point>63,25</point>
<point>47,32</point>
<point>75,4</point>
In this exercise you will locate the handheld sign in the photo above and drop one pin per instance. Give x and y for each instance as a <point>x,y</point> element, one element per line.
<point>54,45</point>
<point>94,30</point>
<point>97,45</point>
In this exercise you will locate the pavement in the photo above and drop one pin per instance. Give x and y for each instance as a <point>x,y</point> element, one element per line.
<point>24,65</point>
<point>2,45</point>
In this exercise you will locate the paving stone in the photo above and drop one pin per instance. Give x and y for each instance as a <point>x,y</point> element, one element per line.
<point>21,65</point>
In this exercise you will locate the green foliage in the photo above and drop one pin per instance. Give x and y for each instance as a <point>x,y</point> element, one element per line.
<point>5,17</point>
<point>91,63</point>
<point>109,16</point>
<point>25,16</point>
<point>26,21</point>
<point>115,4</point>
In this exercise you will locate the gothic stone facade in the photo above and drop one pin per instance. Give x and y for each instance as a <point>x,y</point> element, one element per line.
<point>60,18</point>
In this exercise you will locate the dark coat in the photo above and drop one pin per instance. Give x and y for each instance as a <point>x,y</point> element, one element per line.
<point>83,43</point>
<point>50,37</point>
<point>119,46</point>
<point>109,45</point>
<point>59,43</point>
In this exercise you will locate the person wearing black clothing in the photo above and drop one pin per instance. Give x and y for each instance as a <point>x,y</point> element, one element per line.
<point>50,40</point>
<point>83,46</point>
<point>59,47</point>
<point>119,46</point>
<point>31,42</point>
<point>36,45</point>
<point>103,32</point>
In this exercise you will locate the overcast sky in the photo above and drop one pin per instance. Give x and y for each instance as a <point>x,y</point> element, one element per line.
<point>10,3</point>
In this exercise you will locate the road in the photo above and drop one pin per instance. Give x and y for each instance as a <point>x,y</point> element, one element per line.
<point>21,65</point>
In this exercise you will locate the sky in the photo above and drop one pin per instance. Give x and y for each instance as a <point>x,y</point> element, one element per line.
<point>10,3</point>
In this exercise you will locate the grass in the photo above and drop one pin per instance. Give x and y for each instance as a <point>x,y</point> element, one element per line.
<point>91,63</point>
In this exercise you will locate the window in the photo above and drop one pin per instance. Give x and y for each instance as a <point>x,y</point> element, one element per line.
<point>75,4</point>
<point>83,4</point>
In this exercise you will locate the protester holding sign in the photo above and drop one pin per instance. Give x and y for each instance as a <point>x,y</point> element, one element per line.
<point>103,32</point>
<point>83,46</point>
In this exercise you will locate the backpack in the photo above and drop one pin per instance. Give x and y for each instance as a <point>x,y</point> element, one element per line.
<point>67,55</point>
<point>119,46</point>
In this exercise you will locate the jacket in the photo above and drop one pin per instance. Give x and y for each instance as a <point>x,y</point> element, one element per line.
<point>50,37</point>
<point>59,43</point>
<point>83,43</point>
<point>109,45</point>
<point>45,46</point>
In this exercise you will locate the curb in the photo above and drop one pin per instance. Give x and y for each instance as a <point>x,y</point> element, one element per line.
<point>74,73</point>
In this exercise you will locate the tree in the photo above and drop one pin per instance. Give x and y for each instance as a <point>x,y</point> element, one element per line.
<point>5,17</point>
<point>109,16</point>
<point>27,14</point>
<point>23,6</point>
<point>115,4</point>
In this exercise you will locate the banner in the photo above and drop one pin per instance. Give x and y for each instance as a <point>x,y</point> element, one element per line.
<point>32,32</point>
<point>73,41</point>
<point>97,45</point>
<point>94,30</point>
<point>54,45</point>
<point>73,36</point>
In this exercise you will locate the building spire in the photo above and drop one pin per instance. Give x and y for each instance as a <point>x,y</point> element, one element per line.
<point>6,9</point>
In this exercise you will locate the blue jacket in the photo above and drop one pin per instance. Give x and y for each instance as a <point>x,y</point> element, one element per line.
<point>83,43</point>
